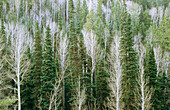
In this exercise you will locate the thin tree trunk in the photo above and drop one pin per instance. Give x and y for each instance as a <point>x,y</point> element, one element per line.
<point>18,71</point>
<point>79,94</point>
<point>63,94</point>
<point>19,96</point>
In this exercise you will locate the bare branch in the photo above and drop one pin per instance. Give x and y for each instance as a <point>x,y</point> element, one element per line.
<point>143,92</point>
<point>115,71</point>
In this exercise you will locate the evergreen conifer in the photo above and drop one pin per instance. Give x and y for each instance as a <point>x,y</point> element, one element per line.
<point>128,61</point>
<point>48,71</point>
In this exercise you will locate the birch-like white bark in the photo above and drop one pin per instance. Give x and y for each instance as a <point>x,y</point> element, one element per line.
<point>93,50</point>
<point>115,71</point>
<point>62,53</point>
<point>18,60</point>
<point>145,93</point>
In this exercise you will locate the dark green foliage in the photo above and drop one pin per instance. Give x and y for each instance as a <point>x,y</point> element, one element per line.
<point>71,12</point>
<point>27,90</point>
<point>27,87</point>
<point>3,37</point>
<point>153,80</point>
<point>99,24</point>
<point>90,83</point>
<point>150,67</point>
<point>156,96</point>
<point>99,29</point>
<point>4,53</point>
<point>36,88</point>
<point>21,9</point>
<point>148,4</point>
<point>164,86</point>
<point>128,61</point>
<point>48,72</point>
<point>36,72</point>
<point>100,79</point>
<point>161,95</point>
<point>101,86</point>
<point>144,23</point>
<point>74,55</point>
<point>84,13</point>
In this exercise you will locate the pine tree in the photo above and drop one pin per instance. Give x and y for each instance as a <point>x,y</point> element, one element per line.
<point>3,36</point>
<point>156,96</point>
<point>84,57</point>
<point>79,96</point>
<point>84,13</point>
<point>72,57</point>
<point>73,52</point>
<point>150,67</point>
<point>75,66</point>
<point>128,61</point>
<point>27,87</point>
<point>85,29</point>
<point>164,84</point>
<point>71,12</point>
<point>151,75</point>
<point>36,72</point>
<point>101,30</point>
<point>144,22</point>
<point>48,71</point>
<point>101,85</point>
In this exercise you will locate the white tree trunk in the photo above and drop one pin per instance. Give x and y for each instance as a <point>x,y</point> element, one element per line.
<point>115,71</point>
<point>63,53</point>
<point>142,83</point>
<point>19,96</point>
<point>79,94</point>
<point>143,93</point>
<point>18,61</point>
<point>18,50</point>
<point>93,50</point>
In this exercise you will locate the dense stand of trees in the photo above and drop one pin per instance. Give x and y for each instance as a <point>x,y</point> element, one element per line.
<point>84,54</point>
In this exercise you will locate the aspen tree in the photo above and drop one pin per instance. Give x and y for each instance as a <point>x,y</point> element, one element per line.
<point>18,60</point>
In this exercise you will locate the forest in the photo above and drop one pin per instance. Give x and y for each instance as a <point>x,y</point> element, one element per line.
<point>84,54</point>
